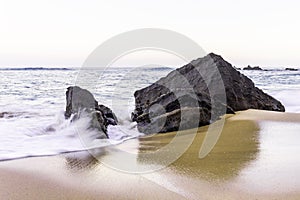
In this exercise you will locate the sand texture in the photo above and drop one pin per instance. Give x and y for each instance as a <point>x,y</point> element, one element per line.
<point>255,157</point>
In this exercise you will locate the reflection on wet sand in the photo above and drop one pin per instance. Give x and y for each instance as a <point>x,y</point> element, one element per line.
<point>81,161</point>
<point>237,146</point>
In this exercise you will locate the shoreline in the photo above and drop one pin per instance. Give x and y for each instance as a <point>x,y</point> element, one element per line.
<point>230,171</point>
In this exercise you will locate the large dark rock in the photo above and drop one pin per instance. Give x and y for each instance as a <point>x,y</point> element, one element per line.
<point>197,94</point>
<point>81,100</point>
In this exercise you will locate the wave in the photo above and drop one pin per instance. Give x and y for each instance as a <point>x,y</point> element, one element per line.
<point>57,137</point>
<point>289,99</point>
<point>10,115</point>
<point>158,68</point>
<point>36,69</point>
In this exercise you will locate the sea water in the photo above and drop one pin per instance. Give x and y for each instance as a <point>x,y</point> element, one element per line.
<point>32,104</point>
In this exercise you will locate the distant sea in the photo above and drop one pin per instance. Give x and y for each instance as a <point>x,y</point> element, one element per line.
<point>32,103</point>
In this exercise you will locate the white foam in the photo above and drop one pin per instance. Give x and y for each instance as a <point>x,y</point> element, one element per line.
<point>289,98</point>
<point>21,137</point>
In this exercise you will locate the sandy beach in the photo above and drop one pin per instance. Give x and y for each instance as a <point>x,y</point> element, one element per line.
<point>254,158</point>
<point>146,100</point>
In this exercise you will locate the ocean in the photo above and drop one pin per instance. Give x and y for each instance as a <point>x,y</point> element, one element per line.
<point>32,104</point>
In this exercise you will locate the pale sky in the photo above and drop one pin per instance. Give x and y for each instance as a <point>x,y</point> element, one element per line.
<point>64,32</point>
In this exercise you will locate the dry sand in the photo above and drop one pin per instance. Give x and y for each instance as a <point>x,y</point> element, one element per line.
<point>232,170</point>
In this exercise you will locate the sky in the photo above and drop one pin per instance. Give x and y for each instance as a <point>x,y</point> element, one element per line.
<point>62,33</point>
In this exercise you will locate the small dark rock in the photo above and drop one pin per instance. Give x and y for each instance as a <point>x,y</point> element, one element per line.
<point>81,100</point>
<point>291,69</point>
<point>3,114</point>
<point>252,68</point>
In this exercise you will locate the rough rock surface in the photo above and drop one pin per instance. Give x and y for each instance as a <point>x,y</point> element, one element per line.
<point>190,96</point>
<point>81,100</point>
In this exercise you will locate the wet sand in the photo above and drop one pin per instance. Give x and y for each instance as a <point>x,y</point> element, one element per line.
<point>256,157</point>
